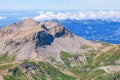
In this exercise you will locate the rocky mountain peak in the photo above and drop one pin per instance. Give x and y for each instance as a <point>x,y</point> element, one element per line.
<point>29,20</point>
<point>27,24</point>
<point>31,38</point>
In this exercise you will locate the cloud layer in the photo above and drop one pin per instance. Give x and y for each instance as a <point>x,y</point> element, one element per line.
<point>78,15</point>
<point>2,17</point>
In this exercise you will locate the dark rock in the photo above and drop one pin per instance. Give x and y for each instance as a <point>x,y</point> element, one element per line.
<point>43,26</point>
<point>44,38</point>
<point>63,32</point>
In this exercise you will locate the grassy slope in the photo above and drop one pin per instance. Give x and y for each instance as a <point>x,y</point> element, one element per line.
<point>44,70</point>
<point>38,71</point>
<point>103,59</point>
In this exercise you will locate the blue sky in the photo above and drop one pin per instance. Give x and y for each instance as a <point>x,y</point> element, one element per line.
<point>61,4</point>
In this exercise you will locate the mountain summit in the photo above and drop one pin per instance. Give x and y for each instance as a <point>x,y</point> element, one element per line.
<point>30,40</point>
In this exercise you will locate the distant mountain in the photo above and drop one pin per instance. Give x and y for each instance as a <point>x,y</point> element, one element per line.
<point>46,50</point>
<point>95,29</point>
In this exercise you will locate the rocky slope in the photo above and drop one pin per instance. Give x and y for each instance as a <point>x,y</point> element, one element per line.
<point>30,40</point>
<point>46,50</point>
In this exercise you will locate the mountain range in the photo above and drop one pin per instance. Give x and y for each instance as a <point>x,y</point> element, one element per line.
<point>46,50</point>
<point>104,30</point>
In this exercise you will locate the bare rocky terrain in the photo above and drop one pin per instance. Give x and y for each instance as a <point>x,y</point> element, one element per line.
<point>30,39</point>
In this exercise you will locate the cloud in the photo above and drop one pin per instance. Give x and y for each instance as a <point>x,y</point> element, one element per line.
<point>77,15</point>
<point>2,17</point>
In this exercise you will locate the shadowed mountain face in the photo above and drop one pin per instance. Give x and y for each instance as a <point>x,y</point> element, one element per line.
<point>44,38</point>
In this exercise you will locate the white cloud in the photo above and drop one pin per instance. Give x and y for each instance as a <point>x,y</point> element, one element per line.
<point>2,17</point>
<point>78,15</point>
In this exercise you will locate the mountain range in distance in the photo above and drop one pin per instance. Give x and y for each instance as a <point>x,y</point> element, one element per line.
<point>104,30</point>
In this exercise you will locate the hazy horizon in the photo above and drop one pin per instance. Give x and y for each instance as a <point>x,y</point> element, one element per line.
<point>60,5</point>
